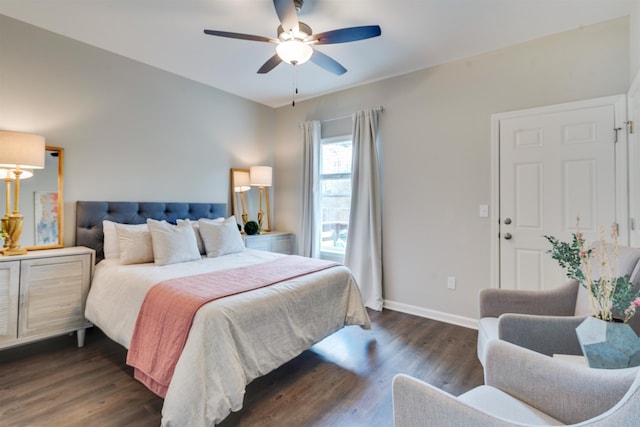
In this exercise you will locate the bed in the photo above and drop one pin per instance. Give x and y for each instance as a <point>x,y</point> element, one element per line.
<point>232,340</point>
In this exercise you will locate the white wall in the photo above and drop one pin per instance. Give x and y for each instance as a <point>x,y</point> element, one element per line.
<point>130,131</point>
<point>435,132</point>
<point>634,42</point>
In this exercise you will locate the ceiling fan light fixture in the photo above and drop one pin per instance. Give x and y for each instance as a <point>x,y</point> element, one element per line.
<point>295,39</point>
<point>294,51</point>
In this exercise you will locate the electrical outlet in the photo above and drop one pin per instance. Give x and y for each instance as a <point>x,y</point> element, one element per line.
<point>483,211</point>
<point>451,282</point>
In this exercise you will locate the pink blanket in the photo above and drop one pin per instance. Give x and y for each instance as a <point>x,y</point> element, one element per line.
<point>168,309</point>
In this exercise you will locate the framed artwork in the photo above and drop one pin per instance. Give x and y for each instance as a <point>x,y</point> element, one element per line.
<point>46,217</point>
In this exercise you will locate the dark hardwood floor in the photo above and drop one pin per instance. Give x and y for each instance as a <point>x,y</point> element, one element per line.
<point>344,380</point>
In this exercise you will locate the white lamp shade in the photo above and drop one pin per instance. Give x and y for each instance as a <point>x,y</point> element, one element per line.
<point>9,173</point>
<point>260,176</point>
<point>23,150</point>
<point>241,181</point>
<point>294,51</point>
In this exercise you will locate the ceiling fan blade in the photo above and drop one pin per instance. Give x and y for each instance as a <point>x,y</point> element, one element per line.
<point>327,63</point>
<point>345,35</point>
<point>240,36</point>
<point>287,15</point>
<point>270,64</point>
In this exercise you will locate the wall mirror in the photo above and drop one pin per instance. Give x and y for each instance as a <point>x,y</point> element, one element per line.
<point>41,203</point>
<point>241,195</point>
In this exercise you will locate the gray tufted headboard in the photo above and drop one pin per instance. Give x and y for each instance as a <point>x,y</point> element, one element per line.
<point>89,217</point>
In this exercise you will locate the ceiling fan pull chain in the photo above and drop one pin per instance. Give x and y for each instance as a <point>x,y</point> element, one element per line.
<point>295,85</point>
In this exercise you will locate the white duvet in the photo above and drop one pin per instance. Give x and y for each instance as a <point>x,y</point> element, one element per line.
<point>233,340</point>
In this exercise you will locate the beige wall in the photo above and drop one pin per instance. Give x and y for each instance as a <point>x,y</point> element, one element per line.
<point>436,166</point>
<point>130,131</point>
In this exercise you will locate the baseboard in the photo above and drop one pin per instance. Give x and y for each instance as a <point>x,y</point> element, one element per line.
<point>441,316</point>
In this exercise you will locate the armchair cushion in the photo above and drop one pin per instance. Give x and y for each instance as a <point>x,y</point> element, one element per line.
<point>544,334</point>
<point>499,404</point>
<point>487,331</point>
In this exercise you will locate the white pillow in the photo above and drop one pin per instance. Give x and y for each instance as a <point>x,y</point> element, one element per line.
<point>221,237</point>
<point>111,242</point>
<point>196,230</point>
<point>135,244</point>
<point>173,243</point>
<point>221,219</point>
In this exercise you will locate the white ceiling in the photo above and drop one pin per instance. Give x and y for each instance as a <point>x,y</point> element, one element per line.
<point>416,34</point>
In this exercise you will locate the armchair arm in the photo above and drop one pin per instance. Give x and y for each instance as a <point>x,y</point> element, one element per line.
<point>418,404</point>
<point>556,302</point>
<point>568,392</point>
<point>543,334</point>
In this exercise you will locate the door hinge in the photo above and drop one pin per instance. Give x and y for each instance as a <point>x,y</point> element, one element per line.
<point>632,223</point>
<point>629,126</point>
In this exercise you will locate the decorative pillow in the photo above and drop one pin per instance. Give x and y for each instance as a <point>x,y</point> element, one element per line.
<point>221,237</point>
<point>173,243</point>
<point>196,229</point>
<point>111,243</point>
<point>135,244</point>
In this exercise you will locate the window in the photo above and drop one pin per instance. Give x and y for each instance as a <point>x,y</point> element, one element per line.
<point>335,196</point>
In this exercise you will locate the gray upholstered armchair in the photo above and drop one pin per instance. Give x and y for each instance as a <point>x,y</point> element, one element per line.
<point>544,321</point>
<point>524,388</point>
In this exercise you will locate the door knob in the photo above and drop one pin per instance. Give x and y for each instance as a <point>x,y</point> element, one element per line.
<point>507,236</point>
<point>507,221</point>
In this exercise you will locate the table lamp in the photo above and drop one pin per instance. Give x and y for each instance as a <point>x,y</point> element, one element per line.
<point>18,151</point>
<point>261,176</point>
<point>8,177</point>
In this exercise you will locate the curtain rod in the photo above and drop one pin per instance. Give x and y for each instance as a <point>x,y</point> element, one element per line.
<point>378,108</point>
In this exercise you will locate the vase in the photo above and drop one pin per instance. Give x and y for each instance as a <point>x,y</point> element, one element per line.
<point>608,345</point>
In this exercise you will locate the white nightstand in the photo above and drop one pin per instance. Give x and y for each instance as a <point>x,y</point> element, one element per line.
<point>43,294</point>
<point>273,241</point>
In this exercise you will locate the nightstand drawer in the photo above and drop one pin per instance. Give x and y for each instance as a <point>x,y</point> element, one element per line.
<point>53,293</point>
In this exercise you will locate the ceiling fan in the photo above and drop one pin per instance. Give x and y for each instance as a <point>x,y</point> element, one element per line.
<point>295,39</point>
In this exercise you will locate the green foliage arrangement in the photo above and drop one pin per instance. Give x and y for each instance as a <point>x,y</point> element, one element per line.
<point>609,292</point>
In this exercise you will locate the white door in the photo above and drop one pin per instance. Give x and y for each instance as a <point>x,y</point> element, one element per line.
<point>634,160</point>
<point>556,164</point>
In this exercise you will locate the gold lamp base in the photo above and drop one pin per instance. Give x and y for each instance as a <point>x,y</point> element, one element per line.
<point>12,226</point>
<point>260,215</point>
<point>5,236</point>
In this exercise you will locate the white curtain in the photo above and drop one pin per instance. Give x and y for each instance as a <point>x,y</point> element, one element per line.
<point>364,243</point>
<point>309,245</point>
